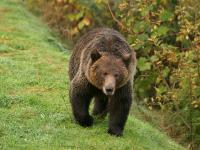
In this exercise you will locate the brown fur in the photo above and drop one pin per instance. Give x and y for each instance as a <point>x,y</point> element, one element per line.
<point>101,39</point>
<point>100,56</point>
<point>107,63</point>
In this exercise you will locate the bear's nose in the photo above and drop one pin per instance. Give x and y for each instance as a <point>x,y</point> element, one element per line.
<point>109,91</point>
<point>109,85</point>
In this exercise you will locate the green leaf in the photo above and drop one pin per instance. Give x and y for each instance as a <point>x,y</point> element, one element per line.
<point>154,58</point>
<point>75,16</point>
<point>165,15</point>
<point>145,12</point>
<point>166,72</point>
<point>81,25</point>
<point>161,90</point>
<point>143,37</point>
<point>143,64</point>
<point>197,92</point>
<point>162,30</point>
<point>141,26</point>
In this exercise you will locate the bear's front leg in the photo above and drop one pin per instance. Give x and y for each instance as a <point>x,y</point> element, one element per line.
<point>119,106</point>
<point>80,97</point>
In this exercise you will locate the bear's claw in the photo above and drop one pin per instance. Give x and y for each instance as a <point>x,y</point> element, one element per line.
<point>116,132</point>
<point>86,122</point>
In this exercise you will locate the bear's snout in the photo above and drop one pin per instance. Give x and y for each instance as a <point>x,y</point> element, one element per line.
<point>109,85</point>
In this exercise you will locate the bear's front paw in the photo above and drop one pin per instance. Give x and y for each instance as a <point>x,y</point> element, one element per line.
<point>86,122</point>
<point>115,131</point>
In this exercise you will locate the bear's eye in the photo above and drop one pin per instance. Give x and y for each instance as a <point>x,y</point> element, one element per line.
<point>105,73</point>
<point>116,75</point>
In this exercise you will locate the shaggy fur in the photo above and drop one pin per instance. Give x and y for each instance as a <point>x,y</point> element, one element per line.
<point>102,66</point>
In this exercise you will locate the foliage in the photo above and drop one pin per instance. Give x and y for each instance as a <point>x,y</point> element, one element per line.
<point>166,36</point>
<point>71,18</point>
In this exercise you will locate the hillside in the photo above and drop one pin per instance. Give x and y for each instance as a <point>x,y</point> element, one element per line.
<point>34,107</point>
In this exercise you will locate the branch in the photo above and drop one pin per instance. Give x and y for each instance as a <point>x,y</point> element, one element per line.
<point>116,20</point>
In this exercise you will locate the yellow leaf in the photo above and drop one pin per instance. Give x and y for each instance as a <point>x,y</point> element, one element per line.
<point>74,31</point>
<point>122,6</point>
<point>150,107</point>
<point>86,21</point>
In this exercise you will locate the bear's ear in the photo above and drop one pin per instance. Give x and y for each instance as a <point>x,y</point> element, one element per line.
<point>95,55</point>
<point>128,58</point>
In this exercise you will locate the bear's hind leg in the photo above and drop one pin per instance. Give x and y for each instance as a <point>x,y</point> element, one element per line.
<point>100,106</point>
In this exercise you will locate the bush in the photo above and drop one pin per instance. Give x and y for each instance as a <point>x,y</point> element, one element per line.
<point>166,36</point>
<point>71,18</point>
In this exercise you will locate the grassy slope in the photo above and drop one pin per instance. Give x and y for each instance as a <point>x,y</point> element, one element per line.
<point>34,105</point>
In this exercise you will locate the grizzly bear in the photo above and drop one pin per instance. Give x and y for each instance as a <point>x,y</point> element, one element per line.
<point>102,66</point>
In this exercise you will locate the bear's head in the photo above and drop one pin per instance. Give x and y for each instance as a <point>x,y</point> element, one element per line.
<point>109,72</point>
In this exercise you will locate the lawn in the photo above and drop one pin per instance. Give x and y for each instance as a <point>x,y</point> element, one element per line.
<point>35,112</point>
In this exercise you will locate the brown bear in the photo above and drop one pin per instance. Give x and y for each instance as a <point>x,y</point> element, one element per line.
<point>102,67</point>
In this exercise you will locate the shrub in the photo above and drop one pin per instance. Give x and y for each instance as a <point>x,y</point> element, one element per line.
<point>166,36</point>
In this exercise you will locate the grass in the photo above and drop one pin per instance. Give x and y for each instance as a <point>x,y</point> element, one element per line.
<point>35,111</point>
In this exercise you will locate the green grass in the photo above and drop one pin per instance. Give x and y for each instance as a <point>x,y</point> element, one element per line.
<point>35,111</point>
